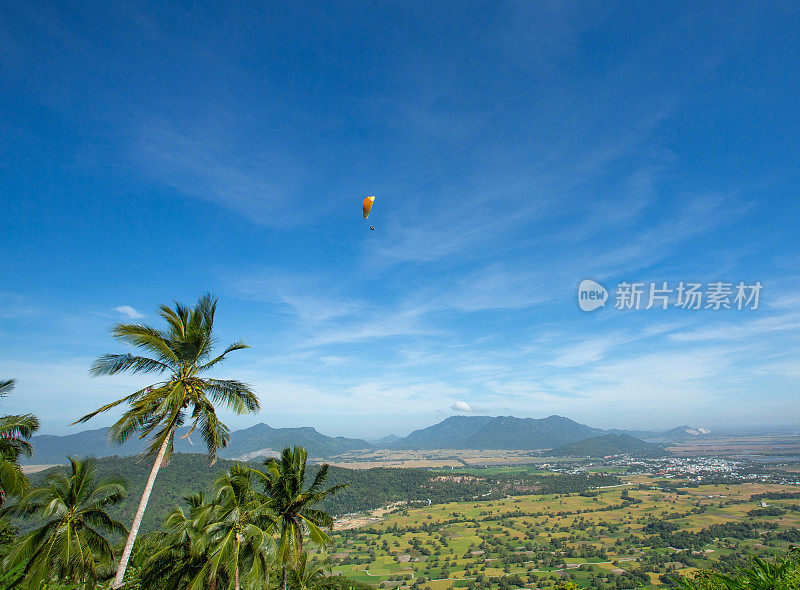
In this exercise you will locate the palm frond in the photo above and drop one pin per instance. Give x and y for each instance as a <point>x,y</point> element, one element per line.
<point>221,357</point>
<point>101,519</point>
<point>12,480</point>
<point>127,399</point>
<point>109,492</point>
<point>6,386</point>
<point>235,395</point>
<point>147,338</point>
<point>113,364</point>
<point>215,434</point>
<point>317,517</point>
<point>176,319</point>
<point>14,426</point>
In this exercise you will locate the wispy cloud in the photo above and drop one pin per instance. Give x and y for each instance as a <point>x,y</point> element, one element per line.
<point>13,305</point>
<point>745,328</point>
<point>129,311</point>
<point>205,162</point>
<point>310,297</point>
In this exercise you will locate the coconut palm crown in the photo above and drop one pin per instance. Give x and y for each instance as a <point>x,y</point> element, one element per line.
<point>292,501</point>
<point>15,430</point>
<point>69,545</point>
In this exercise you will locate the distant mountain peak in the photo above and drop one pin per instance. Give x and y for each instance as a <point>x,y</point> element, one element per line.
<point>385,440</point>
<point>685,430</point>
<point>497,432</point>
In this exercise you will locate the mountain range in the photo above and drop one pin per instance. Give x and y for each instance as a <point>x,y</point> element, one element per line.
<point>455,432</point>
<point>679,433</point>
<point>245,444</point>
<point>500,432</point>
<point>609,444</point>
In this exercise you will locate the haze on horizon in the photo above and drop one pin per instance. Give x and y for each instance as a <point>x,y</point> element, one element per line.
<point>152,153</point>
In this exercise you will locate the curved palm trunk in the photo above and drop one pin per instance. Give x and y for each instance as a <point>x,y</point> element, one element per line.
<point>137,520</point>
<point>285,581</point>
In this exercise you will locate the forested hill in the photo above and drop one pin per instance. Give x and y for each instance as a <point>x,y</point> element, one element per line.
<point>250,441</point>
<point>609,444</point>
<point>188,473</point>
<point>500,432</point>
<point>367,488</point>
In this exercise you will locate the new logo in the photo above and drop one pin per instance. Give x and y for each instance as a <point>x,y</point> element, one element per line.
<point>591,295</point>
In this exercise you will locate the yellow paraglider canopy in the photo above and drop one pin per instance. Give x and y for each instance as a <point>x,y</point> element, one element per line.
<point>366,206</point>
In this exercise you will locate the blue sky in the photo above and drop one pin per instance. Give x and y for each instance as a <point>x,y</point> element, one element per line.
<point>151,153</point>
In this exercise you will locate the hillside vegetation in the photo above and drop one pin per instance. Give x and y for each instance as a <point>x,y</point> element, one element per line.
<point>501,432</point>
<point>609,444</point>
<point>366,488</point>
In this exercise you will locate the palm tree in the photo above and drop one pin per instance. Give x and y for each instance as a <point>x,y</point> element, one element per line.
<point>762,575</point>
<point>211,543</point>
<point>69,546</point>
<point>284,485</point>
<point>183,352</point>
<point>15,430</point>
<point>307,573</point>
<point>238,530</point>
<point>172,558</point>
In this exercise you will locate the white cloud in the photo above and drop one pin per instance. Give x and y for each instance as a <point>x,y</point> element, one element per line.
<point>461,407</point>
<point>129,311</point>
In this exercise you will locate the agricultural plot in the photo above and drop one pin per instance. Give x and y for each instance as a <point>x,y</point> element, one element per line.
<point>622,537</point>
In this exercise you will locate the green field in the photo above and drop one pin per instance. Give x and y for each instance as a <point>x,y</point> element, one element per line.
<point>608,538</point>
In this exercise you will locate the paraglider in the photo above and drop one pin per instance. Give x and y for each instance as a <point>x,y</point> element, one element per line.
<point>366,207</point>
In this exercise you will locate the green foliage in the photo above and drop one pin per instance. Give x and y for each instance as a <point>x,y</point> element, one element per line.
<point>293,503</point>
<point>228,539</point>
<point>184,475</point>
<point>769,511</point>
<point>659,527</point>
<point>15,430</point>
<point>778,573</point>
<point>184,352</point>
<point>224,540</point>
<point>237,538</point>
<point>68,545</point>
<point>791,534</point>
<point>341,583</point>
<point>609,444</point>
<point>501,432</point>
<point>689,540</point>
<point>366,488</point>
<point>307,573</point>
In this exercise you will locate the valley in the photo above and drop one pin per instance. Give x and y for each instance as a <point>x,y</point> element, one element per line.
<point>634,534</point>
<point>568,503</point>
